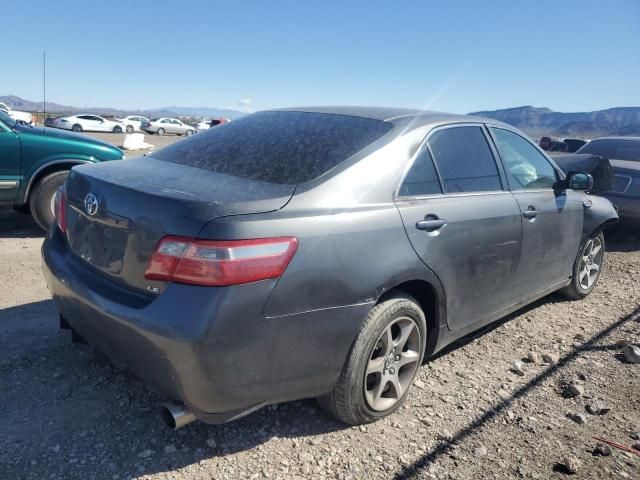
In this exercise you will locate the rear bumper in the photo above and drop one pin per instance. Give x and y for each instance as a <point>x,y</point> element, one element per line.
<point>211,348</point>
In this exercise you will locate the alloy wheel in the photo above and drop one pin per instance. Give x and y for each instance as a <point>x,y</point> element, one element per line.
<point>590,263</point>
<point>392,364</point>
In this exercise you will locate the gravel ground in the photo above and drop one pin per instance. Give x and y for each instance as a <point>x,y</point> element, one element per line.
<point>473,414</point>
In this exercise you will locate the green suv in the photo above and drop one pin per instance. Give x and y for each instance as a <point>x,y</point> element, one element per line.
<point>35,161</point>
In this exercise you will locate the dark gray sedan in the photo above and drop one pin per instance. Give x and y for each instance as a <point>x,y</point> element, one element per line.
<point>319,252</point>
<point>624,155</point>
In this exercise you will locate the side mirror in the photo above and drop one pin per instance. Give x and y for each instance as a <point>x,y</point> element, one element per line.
<point>580,181</point>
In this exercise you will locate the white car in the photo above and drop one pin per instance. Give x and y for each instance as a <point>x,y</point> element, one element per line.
<point>162,126</point>
<point>202,126</point>
<point>133,123</point>
<point>89,123</point>
<point>16,114</point>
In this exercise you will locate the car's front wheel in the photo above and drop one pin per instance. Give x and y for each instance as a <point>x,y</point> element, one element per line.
<point>42,198</point>
<point>129,129</point>
<point>587,267</point>
<point>190,132</point>
<point>160,131</point>
<point>77,127</point>
<point>117,129</point>
<point>382,363</point>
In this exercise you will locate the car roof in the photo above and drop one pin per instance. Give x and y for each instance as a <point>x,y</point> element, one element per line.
<point>635,139</point>
<point>391,114</point>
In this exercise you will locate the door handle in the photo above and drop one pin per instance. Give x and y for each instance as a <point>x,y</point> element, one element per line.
<point>431,224</point>
<point>530,212</point>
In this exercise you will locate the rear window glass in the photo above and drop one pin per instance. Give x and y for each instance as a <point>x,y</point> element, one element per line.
<point>614,149</point>
<point>277,147</point>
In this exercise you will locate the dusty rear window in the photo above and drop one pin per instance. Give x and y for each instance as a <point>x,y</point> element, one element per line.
<point>277,147</point>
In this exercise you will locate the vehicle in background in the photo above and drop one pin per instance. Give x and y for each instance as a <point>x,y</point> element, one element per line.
<point>16,114</point>
<point>89,123</point>
<point>202,126</point>
<point>549,144</point>
<point>133,123</point>
<point>319,252</point>
<point>569,145</point>
<point>36,161</point>
<point>624,155</point>
<point>574,144</point>
<point>163,126</point>
<point>206,125</point>
<point>50,122</point>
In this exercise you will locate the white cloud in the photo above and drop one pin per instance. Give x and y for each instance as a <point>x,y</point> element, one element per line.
<point>245,105</point>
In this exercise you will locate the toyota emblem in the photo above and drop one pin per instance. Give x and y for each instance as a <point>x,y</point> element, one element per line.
<point>91,204</point>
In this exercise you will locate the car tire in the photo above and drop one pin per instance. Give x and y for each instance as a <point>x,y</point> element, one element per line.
<point>77,128</point>
<point>365,391</point>
<point>160,131</point>
<point>129,129</point>
<point>42,198</point>
<point>190,132</point>
<point>117,129</point>
<point>587,268</point>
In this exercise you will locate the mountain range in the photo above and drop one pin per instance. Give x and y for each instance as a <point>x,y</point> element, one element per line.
<point>538,122</point>
<point>19,103</point>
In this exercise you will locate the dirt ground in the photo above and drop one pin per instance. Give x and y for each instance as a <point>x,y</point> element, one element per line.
<point>66,413</point>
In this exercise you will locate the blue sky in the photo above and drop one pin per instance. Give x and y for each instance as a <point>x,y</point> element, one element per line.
<point>456,56</point>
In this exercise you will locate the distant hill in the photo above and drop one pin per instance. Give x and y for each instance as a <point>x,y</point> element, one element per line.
<point>538,122</point>
<point>205,112</point>
<point>55,108</point>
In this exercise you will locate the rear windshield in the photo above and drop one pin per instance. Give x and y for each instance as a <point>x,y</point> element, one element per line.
<point>277,147</point>
<point>614,149</point>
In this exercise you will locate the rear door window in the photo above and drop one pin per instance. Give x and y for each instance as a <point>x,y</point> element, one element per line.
<point>422,178</point>
<point>277,147</point>
<point>464,160</point>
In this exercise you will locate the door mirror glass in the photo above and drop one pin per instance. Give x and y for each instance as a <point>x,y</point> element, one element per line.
<point>580,181</point>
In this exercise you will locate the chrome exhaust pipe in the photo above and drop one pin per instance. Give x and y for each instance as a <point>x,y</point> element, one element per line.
<point>176,415</point>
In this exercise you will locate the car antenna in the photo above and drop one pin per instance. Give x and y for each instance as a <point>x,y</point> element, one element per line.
<point>44,87</point>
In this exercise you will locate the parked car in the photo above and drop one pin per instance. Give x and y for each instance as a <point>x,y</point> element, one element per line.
<point>206,125</point>
<point>36,161</point>
<point>624,155</point>
<point>551,145</point>
<point>202,126</point>
<point>162,126</point>
<point>133,123</point>
<point>315,253</point>
<point>574,144</point>
<point>16,114</point>
<point>89,123</point>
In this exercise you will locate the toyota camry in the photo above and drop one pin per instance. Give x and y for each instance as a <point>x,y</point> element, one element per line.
<point>315,252</point>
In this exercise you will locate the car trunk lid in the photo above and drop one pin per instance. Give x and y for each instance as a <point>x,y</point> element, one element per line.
<point>140,201</point>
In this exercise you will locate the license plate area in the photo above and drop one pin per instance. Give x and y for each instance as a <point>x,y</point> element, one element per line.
<point>101,242</point>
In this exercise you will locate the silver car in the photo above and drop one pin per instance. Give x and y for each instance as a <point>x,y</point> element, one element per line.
<point>162,126</point>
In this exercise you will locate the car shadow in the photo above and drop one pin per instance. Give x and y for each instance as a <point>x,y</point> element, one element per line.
<point>14,224</point>
<point>68,404</point>
<point>64,404</point>
<point>446,447</point>
<point>623,237</point>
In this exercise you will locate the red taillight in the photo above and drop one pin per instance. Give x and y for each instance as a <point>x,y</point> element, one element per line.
<point>60,210</point>
<point>220,262</point>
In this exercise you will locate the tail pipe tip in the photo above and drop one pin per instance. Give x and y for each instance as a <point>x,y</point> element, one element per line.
<point>176,415</point>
